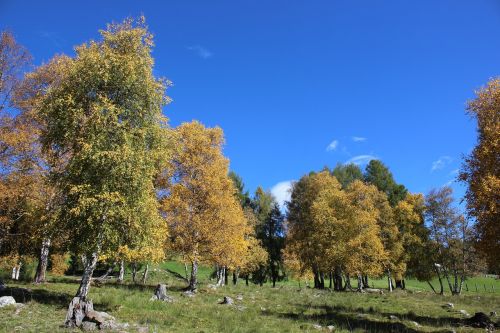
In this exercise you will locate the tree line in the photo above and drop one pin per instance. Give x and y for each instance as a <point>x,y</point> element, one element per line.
<point>91,167</point>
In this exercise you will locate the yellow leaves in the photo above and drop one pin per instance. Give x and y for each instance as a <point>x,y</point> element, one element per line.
<point>205,219</point>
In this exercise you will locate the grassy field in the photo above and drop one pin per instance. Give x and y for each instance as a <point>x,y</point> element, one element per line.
<point>257,309</point>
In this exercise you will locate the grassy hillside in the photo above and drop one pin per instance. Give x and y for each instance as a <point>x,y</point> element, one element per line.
<point>261,309</point>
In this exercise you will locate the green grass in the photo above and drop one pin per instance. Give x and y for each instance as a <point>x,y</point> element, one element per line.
<point>262,309</point>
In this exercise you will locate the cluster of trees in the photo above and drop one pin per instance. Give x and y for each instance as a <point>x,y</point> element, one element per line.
<point>344,223</point>
<point>90,166</point>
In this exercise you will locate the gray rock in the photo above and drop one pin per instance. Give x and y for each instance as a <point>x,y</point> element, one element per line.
<point>89,326</point>
<point>448,306</point>
<point>331,328</point>
<point>463,312</point>
<point>393,317</point>
<point>188,293</point>
<point>317,326</point>
<point>227,300</point>
<point>415,323</point>
<point>7,300</point>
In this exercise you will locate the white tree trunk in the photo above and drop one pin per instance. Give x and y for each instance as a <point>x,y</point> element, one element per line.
<point>389,280</point>
<point>43,261</point>
<point>122,271</point>
<point>90,263</point>
<point>145,274</point>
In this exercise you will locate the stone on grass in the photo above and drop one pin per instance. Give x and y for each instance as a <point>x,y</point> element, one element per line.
<point>373,291</point>
<point>7,300</point>
<point>415,323</point>
<point>463,312</point>
<point>331,328</point>
<point>448,306</point>
<point>317,326</point>
<point>161,294</point>
<point>393,317</point>
<point>188,293</point>
<point>227,300</point>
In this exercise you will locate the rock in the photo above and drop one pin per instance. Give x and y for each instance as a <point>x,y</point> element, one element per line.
<point>464,313</point>
<point>188,293</point>
<point>448,306</point>
<point>7,300</point>
<point>227,300</point>
<point>393,317</point>
<point>239,297</point>
<point>480,320</point>
<point>161,294</point>
<point>89,326</point>
<point>317,326</point>
<point>415,323</point>
<point>373,291</point>
<point>331,328</point>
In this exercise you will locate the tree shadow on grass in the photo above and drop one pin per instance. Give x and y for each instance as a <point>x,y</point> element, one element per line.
<point>351,319</point>
<point>43,296</point>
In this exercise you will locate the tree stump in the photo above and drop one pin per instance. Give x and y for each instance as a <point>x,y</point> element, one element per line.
<point>77,311</point>
<point>161,294</point>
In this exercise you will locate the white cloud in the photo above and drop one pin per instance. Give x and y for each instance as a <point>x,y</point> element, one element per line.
<point>358,139</point>
<point>361,159</point>
<point>200,51</point>
<point>282,192</point>
<point>440,163</point>
<point>333,145</point>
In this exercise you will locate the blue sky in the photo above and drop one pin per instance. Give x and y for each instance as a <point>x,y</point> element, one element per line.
<point>298,85</point>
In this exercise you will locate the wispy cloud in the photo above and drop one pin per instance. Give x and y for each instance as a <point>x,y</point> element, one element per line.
<point>282,192</point>
<point>358,139</point>
<point>440,163</point>
<point>454,172</point>
<point>201,51</point>
<point>333,145</point>
<point>361,159</point>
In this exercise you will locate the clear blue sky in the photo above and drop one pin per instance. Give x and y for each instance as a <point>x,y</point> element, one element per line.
<point>285,79</point>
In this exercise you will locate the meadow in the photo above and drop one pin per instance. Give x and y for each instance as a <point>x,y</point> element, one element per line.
<point>286,308</point>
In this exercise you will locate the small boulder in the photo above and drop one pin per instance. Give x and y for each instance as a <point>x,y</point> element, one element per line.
<point>464,313</point>
<point>7,300</point>
<point>448,306</point>
<point>317,326</point>
<point>89,326</point>
<point>161,294</point>
<point>415,324</point>
<point>393,317</point>
<point>188,293</point>
<point>227,300</point>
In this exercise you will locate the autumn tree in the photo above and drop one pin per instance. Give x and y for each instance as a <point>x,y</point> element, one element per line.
<point>481,172</point>
<point>206,221</point>
<point>103,119</point>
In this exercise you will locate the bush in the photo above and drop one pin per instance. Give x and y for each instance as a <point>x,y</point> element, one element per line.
<point>59,263</point>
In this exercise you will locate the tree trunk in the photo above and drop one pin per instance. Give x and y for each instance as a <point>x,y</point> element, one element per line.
<point>193,282</point>
<point>88,270</point>
<point>365,281</point>
<point>246,279</point>
<point>235,277</point>
<point>145,274</point>
<point>186,271</point>
<point>446,275</point>
<point>121,275</point>
<point>225,276</point>
<point>134,271</point>
<point>436,268</point>
<point>389,280</point>
<point>43,260</point>
<point>432,287</point>
<point>360,282</point>
<point>347,282</point>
